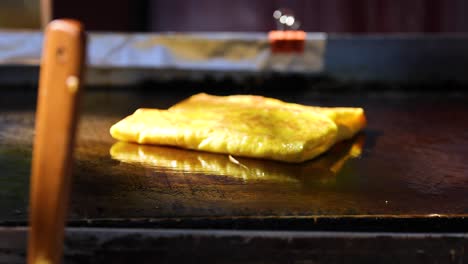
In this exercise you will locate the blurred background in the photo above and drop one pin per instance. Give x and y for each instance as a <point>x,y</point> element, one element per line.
<point>19,14</point>
<point>331,16</point>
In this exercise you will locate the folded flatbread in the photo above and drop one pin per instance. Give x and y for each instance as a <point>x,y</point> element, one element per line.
<point>243,125</point>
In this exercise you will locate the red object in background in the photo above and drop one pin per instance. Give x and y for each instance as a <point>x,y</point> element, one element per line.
<point>287,41</point>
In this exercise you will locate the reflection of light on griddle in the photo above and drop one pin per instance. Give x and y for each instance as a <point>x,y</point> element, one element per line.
<point>322,169</point>
<point>354,152</point>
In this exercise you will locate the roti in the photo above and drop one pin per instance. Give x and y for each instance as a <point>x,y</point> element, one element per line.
<point>242,125</point>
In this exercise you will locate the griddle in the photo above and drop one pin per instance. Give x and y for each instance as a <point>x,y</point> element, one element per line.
<point>410,175</point>
<point>404,198</point>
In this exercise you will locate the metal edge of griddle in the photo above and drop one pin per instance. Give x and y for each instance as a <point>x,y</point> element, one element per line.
<point>110,245</point>
<point>361,223</point>
<point>346,223</point>
<point>24,79</point>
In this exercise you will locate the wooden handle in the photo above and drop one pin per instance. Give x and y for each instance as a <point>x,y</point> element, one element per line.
<point>56,119</point>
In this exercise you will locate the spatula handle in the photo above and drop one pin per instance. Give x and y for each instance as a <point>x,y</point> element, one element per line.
<point>56,118</point>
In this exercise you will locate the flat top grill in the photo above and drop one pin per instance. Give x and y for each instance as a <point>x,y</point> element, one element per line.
<point>412,168</point>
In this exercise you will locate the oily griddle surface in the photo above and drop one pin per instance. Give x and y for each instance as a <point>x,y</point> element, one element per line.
<point>412,164</point>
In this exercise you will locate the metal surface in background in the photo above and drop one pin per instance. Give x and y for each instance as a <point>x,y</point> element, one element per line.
<point>411,166</point>
<point>126,59</point>
<point>403,57</point>
<point>218,52</point>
